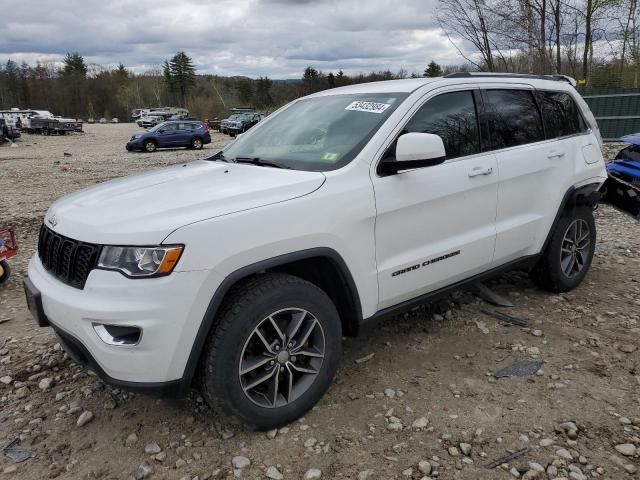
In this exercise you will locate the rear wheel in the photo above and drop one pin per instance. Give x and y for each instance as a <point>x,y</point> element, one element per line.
<point>5,271</point>
<point>196,143</point>
<point>567,258</point>
<point>150,146</point>
<point>274,350</point>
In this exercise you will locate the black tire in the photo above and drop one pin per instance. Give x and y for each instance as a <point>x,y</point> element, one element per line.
<point>5,271</point>
<point>549,273</point>
<point>196,143</point>
<point>150,146</point>
<point>249,304</point>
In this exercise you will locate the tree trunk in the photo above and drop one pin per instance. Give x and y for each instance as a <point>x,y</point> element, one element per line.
<point>587,39</point>
<point>558,53</point>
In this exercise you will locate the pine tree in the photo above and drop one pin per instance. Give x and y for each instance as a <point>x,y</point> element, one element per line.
<point>262,96</point>
<point>331,80</point>
<point>180,75</point>
<point>74,65</point>
<point>433,70</point>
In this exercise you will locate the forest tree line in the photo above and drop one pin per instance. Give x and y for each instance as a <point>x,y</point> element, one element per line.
<point>595,41</point>
<point>80,90</point>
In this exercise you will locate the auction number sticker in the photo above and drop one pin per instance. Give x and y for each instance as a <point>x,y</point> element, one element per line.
<point>371,107</point>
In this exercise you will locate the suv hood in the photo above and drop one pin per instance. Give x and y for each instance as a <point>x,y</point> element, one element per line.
<point>144,209</point>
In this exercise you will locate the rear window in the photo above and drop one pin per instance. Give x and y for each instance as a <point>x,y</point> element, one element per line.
<point>560,114</point>
<point>513,118</point>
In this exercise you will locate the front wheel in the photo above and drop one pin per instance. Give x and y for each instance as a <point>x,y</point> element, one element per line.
<point>568,256</point>
<point>273,351</point>
<point>150,146</point>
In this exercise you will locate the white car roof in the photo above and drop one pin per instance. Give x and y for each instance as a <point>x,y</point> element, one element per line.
<point>411,84</point>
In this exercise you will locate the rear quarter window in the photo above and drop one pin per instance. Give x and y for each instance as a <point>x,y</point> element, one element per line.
<point>513,118</point>
<point>560,114</point>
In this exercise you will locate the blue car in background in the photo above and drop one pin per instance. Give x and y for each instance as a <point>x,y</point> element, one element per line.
<point>180,133</point>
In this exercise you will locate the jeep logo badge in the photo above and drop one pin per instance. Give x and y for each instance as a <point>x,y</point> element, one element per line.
<point>53,221</point>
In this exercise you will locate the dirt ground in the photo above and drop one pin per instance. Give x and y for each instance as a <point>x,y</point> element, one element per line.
<point>414,398</point>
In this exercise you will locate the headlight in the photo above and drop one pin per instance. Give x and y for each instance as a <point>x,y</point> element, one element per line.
<point>140,261</point>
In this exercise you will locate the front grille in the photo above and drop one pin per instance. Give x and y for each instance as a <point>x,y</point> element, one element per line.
<point>70,261</point>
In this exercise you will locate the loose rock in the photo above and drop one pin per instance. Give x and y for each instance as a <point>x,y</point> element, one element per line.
<point>84,418</point>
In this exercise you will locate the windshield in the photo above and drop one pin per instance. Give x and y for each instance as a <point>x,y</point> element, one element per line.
<point>317,134</point>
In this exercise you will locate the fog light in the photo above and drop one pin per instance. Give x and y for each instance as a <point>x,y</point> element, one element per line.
<point>118,335</point>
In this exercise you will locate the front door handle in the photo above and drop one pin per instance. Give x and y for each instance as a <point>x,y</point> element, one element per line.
<point>555,155</point>
<point>480,171</point>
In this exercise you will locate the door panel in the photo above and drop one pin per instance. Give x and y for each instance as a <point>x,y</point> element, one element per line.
<point>436,225</point>
<point>532,179</point>
<point>534,176</point>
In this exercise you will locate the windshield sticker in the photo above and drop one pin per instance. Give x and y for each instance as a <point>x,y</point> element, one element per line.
<point>331,157</point>
<point>371,107</point>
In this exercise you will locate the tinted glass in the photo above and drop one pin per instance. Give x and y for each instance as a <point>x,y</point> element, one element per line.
<point>169,127</point>
<point>453,117</point>
<point>318,133</point>
<point>560,114</point>
<point>513,118</point>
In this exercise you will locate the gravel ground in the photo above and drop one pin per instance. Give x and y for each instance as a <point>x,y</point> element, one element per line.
<point>414,399</point>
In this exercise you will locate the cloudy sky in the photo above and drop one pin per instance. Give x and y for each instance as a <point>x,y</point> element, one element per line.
<point>277,38</point>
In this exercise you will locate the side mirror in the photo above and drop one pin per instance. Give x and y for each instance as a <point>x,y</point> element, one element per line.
<point>415,150</point>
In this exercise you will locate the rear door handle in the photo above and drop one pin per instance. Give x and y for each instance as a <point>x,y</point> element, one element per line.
<point>556,155</point>
<point>480,171</point>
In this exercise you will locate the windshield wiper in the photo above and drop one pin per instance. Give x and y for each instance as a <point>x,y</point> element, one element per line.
<point>219,156</point>
<point>259,161</point>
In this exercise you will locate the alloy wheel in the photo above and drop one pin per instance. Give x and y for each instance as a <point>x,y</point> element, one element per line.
<point>282,357</point>
<point>575,248</point>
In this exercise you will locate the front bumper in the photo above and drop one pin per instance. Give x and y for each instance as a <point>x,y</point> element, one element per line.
<point>235,130</point>
<point>168,310</point>
<point>134,144</point>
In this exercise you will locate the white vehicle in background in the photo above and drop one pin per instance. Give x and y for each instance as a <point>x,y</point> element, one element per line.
<point>13,115</point>
<point>151,120</point>
<point>346,206</point>
<point>176,112</point>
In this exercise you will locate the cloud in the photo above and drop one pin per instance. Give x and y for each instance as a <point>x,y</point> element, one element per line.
<point>277,38</point>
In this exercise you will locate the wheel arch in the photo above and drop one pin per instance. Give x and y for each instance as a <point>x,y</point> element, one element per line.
<point>321,266</point>
<point>586,195</point>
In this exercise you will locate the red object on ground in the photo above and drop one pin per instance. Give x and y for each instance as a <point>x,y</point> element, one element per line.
<point>8,244</point>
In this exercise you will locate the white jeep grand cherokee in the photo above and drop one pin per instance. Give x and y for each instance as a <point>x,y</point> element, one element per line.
<point>243,271</point>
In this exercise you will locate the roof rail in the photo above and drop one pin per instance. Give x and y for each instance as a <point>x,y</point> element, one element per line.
<point>558,78</point>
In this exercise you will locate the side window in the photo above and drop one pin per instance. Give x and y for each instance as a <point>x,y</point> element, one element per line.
<point>453,117</point>
<point>513,118</point>
<point>170,127</point>
<point>560,114</point>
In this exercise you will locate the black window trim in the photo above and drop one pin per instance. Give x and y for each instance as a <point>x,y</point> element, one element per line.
<point>478,104</point>
<point>587,129</point>
<point>519,87</point>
